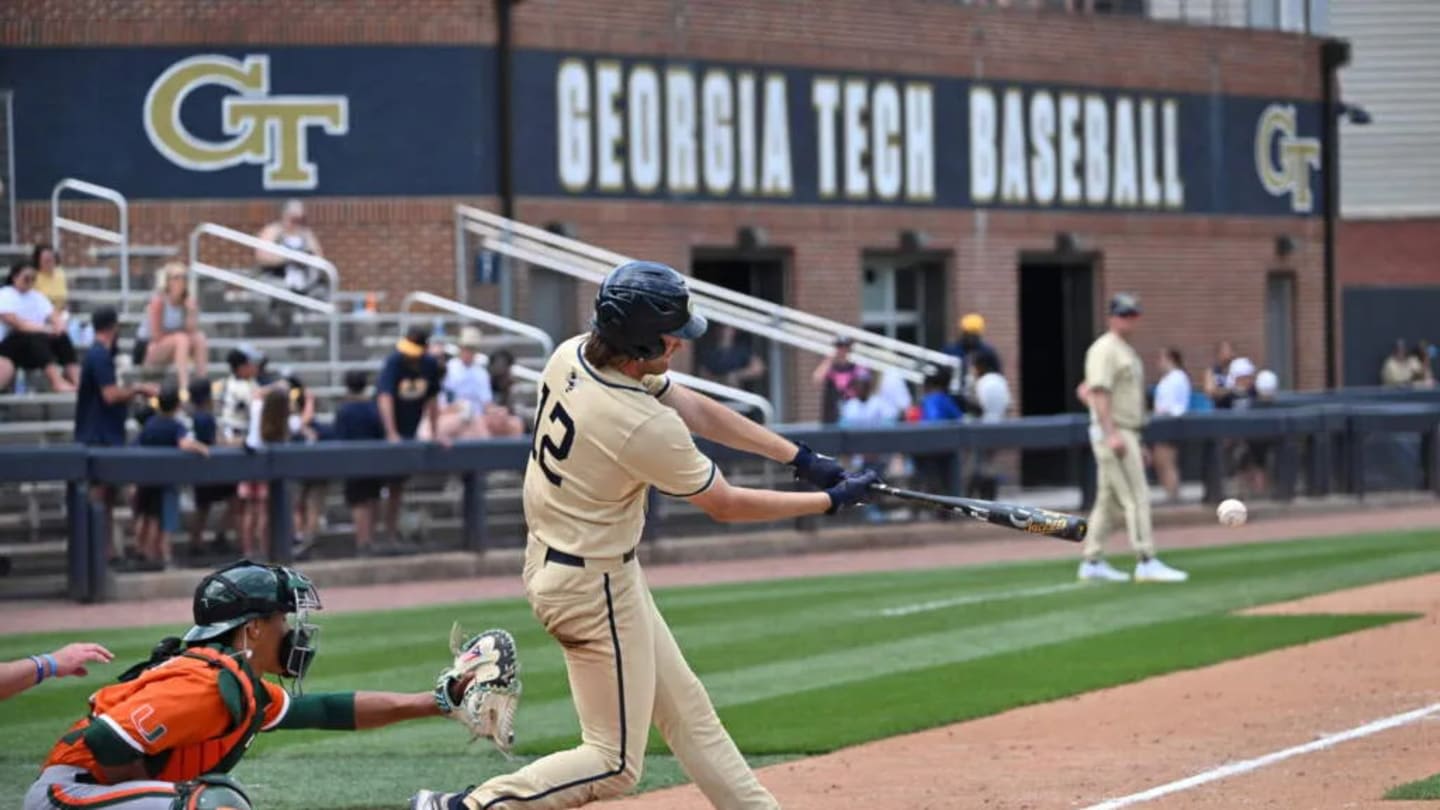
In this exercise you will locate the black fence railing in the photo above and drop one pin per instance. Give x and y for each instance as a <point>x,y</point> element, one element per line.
<point>1324,442</point>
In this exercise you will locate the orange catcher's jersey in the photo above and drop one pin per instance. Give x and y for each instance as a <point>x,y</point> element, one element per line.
<point>601,439</point>
<point>194,714</point>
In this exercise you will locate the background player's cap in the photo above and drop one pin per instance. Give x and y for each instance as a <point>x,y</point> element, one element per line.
<point>639,302</point>
<point>1125,305</point>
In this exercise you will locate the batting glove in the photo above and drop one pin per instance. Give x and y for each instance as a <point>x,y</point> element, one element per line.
<point>821,471</point>
<point>851,490</point>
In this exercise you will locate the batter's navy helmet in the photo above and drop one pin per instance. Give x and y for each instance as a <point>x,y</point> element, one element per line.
<point>639,302</point>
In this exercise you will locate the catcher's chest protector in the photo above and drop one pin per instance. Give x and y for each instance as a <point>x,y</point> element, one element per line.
<point>166,701</point>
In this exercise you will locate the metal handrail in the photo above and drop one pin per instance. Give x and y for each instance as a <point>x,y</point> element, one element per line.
<point>746,313</point>
<point>827,328</point>
<point>120,237</point>
<point>466,311</point>
<point>543,338</point>
<point>199,268</point>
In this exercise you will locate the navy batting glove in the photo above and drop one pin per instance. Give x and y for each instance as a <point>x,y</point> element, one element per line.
<point>818,470</point>
<point>851,490</point>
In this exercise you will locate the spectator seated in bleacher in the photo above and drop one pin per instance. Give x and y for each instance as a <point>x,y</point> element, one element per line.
<point>290,231</point>
<point>469,410</point>
<point>32,332</point>
<point>170,332</point>
<point>50,276</point>
<point>157,509</point>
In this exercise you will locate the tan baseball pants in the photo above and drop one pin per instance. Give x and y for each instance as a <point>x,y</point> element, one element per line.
<point>1121,489</point>
<point>625,672</point>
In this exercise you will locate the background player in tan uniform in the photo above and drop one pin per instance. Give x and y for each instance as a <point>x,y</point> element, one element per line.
<point>608,427</point>
<point>1114,390</point>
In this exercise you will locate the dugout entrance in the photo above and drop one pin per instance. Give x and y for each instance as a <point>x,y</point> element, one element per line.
<point>1057,324</point>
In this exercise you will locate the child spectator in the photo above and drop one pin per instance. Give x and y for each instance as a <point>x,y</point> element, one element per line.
<point>358,419</point>
<point>206,431</point>
<point>157,509</point>
<point>235,393</point>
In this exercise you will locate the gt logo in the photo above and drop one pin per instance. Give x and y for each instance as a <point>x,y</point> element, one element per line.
<point>1276,137</point>
<point>265,130</point>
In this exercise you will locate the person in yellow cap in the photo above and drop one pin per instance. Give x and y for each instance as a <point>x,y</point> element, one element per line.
<point>407,391</point>
<point>970,343</point>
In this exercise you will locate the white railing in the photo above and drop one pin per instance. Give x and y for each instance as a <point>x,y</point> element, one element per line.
<point>757,316</point>
<point>502,323</point>
<point>119,238</point>
<point>244,282</point>
<point>540,336</point>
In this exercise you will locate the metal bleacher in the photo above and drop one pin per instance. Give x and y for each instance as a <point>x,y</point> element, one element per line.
<point>316,341</point>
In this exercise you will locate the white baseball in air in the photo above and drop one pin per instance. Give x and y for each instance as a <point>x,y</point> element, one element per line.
<point>1232,512</point>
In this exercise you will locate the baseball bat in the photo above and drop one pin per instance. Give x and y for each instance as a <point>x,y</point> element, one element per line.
<point>1021,518</point>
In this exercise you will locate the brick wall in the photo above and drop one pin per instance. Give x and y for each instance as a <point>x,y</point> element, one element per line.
<point>1388,251</point>
<point>1201,278</point>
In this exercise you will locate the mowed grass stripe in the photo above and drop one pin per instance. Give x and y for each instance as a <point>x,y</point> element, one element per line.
<point>965,634</point>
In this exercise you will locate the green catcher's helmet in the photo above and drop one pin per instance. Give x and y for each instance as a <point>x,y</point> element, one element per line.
<point>246,590</point>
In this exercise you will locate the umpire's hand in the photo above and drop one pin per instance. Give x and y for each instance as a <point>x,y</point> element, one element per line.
<point>851,490</point>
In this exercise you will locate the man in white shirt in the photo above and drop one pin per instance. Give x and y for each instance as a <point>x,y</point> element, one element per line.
<point>1172,398</point>
<point>470,411</point>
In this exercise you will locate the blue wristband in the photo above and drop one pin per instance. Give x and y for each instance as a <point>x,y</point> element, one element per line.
<point>53,664</point>
<point>39,668</point>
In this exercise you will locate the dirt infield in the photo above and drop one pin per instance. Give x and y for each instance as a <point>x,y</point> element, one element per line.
<point>1114,743</point>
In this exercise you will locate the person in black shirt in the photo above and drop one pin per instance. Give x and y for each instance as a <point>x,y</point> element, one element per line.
<point>157,508</point>
<point>407,390</point>
<point>356,419</point>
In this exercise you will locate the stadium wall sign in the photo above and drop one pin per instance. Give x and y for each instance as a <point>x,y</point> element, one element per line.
<point>228,123</point>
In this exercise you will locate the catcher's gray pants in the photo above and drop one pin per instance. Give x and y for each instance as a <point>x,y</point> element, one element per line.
<point>626,672</point>
<point>57,789</point>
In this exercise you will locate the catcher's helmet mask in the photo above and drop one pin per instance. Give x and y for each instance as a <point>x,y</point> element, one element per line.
<point>641,302</point>
<point>244,591</point>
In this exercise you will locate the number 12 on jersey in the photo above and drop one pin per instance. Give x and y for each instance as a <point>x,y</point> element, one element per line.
<point>543,446</point>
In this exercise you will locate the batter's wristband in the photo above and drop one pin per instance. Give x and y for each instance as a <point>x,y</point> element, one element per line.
<point>39,668</point>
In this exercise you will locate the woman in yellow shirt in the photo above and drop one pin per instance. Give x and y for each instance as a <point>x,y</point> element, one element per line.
<point>50,278</point>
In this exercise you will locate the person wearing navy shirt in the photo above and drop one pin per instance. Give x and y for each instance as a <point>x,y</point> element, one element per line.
<point>157,508</point>
<point>408,386</point>
<point>206,430</point>
<point>102,404</point>
<point>358,419</point>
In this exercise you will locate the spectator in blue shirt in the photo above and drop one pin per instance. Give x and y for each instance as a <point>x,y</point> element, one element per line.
<point>157,508</point>
<point>207,431</point>
<point>936,471</point>
<point>102,403</point>
<point>356,419</point>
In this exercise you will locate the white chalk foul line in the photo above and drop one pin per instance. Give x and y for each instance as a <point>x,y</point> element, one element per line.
<point>975,599</point>
<point>1245,766</point>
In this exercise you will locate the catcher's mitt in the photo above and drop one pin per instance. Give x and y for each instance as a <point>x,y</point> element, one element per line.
<point>487,666</point>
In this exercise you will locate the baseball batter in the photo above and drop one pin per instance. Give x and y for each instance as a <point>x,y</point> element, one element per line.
<point>164,737</point>
<point>609,426</point>
<point>1114,389</point>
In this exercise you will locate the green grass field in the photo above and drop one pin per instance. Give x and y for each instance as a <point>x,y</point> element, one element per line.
<point>1424,789</point>
<point>795,666</point>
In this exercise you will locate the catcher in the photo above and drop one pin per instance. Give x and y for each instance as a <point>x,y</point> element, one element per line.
<point>165,735</point>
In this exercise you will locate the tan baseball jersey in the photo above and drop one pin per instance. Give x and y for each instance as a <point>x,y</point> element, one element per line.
<point>1113,365</point>
<point>601,439</point>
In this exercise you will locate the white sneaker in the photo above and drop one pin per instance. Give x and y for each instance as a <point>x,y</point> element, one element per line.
<point>1155,571</point>
<point>1101,571</point>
